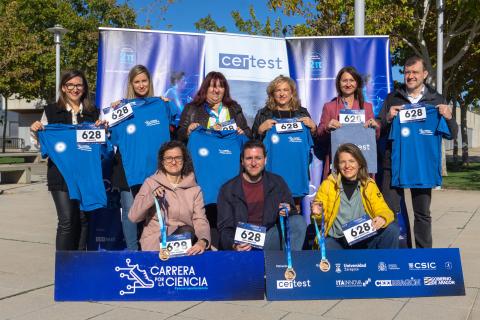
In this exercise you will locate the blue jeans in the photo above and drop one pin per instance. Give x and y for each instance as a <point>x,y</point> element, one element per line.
<point>298,227</point>
<point>385,239</point>
<point>129,228</point>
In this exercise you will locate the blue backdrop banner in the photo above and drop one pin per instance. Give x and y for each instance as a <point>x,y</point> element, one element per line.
<point>366,274</point>
<point>115,276</point>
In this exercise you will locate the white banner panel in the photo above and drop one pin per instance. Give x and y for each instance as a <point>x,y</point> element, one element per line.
<point>249,63</point>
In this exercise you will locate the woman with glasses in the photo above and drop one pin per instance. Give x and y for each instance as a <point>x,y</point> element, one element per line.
<point>180,200</point>
<point>72,107</point>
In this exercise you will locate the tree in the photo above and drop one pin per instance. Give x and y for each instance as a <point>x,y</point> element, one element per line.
<point>208,24</point>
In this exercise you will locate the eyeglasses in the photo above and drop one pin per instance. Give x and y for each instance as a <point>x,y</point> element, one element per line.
<point>170,159</point>
<point>71,86</point>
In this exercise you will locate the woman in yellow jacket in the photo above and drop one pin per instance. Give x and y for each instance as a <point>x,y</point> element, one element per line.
<point>356,215</point>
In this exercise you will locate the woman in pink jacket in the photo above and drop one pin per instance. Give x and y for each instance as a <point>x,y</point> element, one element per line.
<point>180,197</point>
<point>349,86</point>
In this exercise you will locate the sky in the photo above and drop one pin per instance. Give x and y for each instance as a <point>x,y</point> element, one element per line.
<point>182,14</point>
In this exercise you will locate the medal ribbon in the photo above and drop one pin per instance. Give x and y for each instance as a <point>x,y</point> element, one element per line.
<point>285,226</point>
<point>212,114</point>
<point>321,236</point>
<point>161,222</point>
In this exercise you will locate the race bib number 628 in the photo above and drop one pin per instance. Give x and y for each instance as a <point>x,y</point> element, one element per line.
<point>412,114</point>
<point>91,136</point>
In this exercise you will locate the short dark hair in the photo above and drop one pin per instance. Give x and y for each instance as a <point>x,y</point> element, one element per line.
<point>253,144</point>
<point>355,152</point>
<point>187,160</point>
<point>414,59</point>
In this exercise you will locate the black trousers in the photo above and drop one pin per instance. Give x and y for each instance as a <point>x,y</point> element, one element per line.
<point>421,200</point>
<point>72,227</point>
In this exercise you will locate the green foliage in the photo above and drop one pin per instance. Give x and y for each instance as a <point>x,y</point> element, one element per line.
<point>463,177</point>
<point>254,26</point>
<point>208,24</point>
<point>29,71</point>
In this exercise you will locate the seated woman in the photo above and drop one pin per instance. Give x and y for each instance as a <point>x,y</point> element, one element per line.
<point>181,201</point>
<point>348,194</point>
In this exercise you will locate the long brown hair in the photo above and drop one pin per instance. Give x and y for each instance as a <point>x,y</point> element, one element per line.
<point>356,153</point>
<point>84,99</point>
<point>355,75</point>
<point>294,104</point>
<point>135,71</point>
<point>201,95</point>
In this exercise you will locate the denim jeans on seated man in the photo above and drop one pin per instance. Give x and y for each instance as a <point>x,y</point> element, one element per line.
<point>298,228</point>
<point>386,238</point>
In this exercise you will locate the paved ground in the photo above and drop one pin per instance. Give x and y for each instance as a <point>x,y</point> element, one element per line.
<point>27,233</point>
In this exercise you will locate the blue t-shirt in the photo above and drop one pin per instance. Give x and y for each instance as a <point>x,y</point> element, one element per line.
<point>140,137</point>
<point>363,138</point>
<point>417,150</point>
<point>79,164</point>
<point>289,155</point>
<point>216,158</point>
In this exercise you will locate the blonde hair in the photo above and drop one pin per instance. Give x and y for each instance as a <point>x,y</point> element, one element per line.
<point>294,103</point>
<point>135,71</point>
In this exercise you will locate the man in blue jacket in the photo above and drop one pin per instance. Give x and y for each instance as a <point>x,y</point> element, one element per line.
<point>255,196</point>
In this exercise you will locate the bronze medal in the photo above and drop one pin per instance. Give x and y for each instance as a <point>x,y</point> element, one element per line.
<point>290,274</point>
<point>164,254</point>
<point>324,265</point>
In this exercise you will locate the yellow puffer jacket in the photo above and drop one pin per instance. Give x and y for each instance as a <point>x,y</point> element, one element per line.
<point>329,195</point>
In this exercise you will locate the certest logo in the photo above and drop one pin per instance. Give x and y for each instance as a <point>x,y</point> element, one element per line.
<point>246,62</point>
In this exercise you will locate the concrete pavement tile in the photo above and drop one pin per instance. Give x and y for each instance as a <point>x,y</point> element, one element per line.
<point>67,310</point>
<point>474,315</point>
<point>453,219</point>
<point>444,237</point>
<point>169,308</point>
<point>476,304</point>
<point>365,309</point>
<point>23,304</point>
<point>6,291</point>
<point>129,314</point>
<point>249,303</point>
<point>222,311</point>
<point>420,311</point>
<point>301,316</point>
<point>314,307</point>
<point>465,301</point>
<point>470,267</point>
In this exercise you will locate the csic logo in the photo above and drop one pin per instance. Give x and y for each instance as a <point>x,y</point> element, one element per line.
<point>246,62</point>
<point>60,147</point>
<point>422,266</point>
<point>138,277</point>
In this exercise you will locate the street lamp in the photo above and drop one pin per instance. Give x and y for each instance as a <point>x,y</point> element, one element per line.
<point>58,31</point>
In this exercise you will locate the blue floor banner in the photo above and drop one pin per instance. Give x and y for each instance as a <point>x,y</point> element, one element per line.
<point>142,276</point>
<point>366,274</point>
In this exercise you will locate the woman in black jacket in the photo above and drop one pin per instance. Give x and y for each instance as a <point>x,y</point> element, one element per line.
<point>211,107</point>
<point>282,102</point>
<point>73,107</point>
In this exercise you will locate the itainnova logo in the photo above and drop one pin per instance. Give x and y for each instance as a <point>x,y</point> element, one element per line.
<point>127,57</point>
<point>248,61</point>
<point>314,63</point>
<point>138,278</point>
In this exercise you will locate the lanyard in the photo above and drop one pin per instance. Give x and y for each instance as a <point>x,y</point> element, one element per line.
<point>285,227</point>
<point>321,236</point>
<point>212,114</point>
<point>163,227</point>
